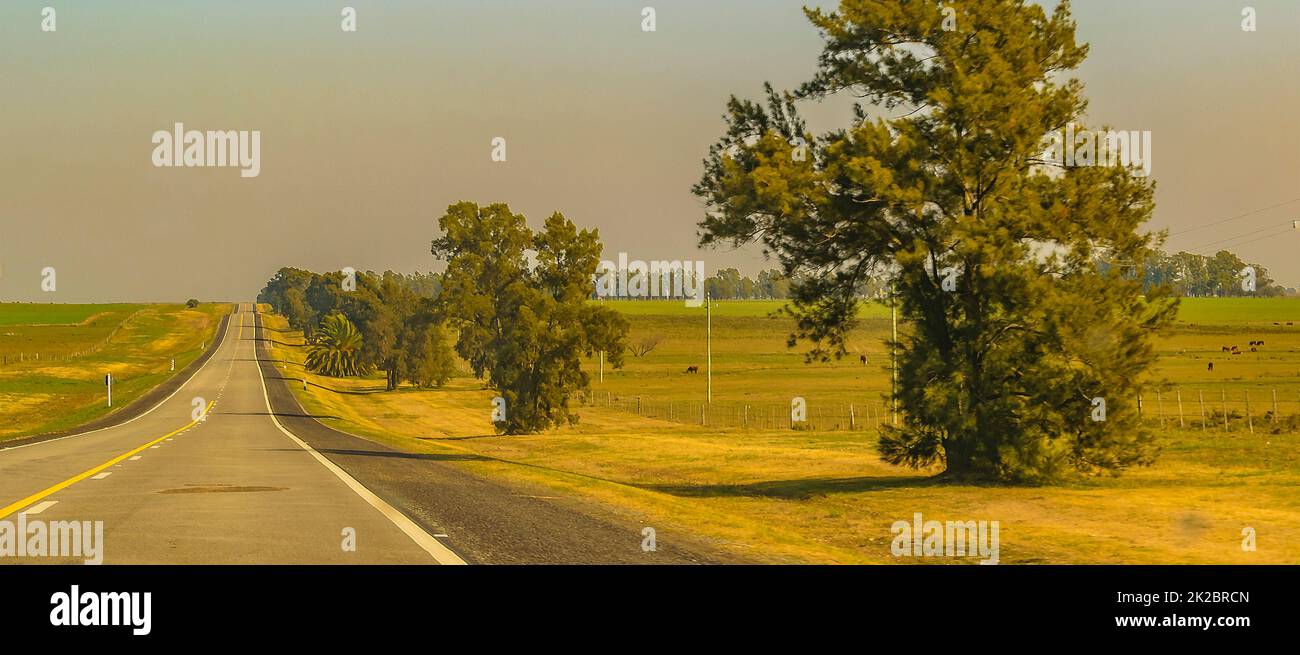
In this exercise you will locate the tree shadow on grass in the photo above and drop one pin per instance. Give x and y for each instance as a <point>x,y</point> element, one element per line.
<point>476,436</point>
<point>276,414</point>
<point>348,392</point>
<point>394,454</point>
<point>278,343</point>
<point>800,489</point>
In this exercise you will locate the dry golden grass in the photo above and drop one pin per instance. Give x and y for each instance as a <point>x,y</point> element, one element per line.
<point>785,496</point>
<point>133,342</point>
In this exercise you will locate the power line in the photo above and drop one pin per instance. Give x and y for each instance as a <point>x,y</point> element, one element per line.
<point>1288,225</point>
<point>1233,218</point>
<point>1266,236</point>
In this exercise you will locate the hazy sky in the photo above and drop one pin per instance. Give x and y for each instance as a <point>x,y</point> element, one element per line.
<point>368,136</point>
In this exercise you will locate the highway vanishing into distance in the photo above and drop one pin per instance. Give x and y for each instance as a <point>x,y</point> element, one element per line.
<point>228,469</point>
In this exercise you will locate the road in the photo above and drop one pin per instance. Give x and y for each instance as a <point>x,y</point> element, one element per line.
<point>228,469</point>
<point>229,488</point>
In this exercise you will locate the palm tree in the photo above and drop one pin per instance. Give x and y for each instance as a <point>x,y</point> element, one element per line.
<point>335,350</point>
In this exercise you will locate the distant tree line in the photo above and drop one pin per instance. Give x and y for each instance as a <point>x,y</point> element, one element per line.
<point>1201,276</point>
<point>395,314</point>
<point>513,303</point>
<point>729,284</point>
<point>1188,274</point>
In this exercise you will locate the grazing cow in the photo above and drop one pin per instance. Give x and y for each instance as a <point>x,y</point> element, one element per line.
<point>1234,349</point>
<point>863,358</point>
<point>1236,352</point>
<point>1259,343</point>
<point>692,369</point>
<point>1289,323</point>
<point>1225,349</point>
<point>1210,366</point>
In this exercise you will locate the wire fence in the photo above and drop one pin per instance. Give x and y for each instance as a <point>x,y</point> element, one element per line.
<point>1262,410</point>
<point>821,417</point>
<point>1248,410</point>
<point>8,359</point>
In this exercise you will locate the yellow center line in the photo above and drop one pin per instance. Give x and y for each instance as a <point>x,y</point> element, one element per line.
<point>10,509</point>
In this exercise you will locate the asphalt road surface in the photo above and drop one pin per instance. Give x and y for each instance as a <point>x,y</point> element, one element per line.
<point>214,475</point>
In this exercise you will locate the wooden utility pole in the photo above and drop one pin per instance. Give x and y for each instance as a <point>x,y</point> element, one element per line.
<point>708,345</point>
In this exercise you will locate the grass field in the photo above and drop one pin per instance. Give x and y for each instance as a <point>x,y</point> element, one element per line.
<point>778,495</point>
<point>53,358</point>
<point>50,314</point>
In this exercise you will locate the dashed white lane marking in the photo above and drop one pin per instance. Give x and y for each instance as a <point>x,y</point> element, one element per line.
<point>41,507</point>
<point>101,476</point>
<point>135,458</point>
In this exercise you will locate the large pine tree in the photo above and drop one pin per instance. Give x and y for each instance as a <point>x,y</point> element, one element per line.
<point>941,179</point>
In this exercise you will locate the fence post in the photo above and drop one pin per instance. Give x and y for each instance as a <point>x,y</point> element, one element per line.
<point>1181,425</point>
<point>1201,395</point>
<point>1250,422</point>
<point>851,417</point>
<point>1139,405</point>
<point>1160,409</point>
<point>1223,395</point>
<point>1274,421</point>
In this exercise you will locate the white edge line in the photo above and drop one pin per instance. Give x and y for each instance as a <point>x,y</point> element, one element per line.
<point>440,553</point>
<point>148,411</point>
